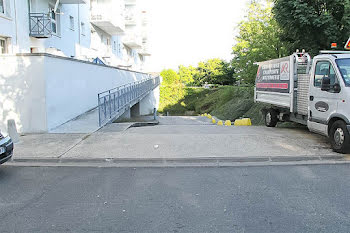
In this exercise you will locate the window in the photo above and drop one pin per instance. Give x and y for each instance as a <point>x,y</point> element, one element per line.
<point>128,51</point>
<point>2,7</point>
<point>119,49</point>
<point>82,25</point>
<point>344,67</point>
<point>55,20</point>
<point>71,22</point>
<point>324,69</point>
<point>118,46</point>
<point>3,46</point>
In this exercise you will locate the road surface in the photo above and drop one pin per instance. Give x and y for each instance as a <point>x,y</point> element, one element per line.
<point>232,199</point>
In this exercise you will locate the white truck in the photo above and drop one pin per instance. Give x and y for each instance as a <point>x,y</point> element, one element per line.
<point>314,92</point>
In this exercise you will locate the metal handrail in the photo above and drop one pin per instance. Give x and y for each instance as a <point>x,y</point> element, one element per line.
<point>114,102</point>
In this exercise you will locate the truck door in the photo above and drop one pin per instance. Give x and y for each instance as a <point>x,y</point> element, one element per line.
<point>322,103</point>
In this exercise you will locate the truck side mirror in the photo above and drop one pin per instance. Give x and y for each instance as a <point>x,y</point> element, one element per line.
<point>336,88</point>
<point>326,83</point>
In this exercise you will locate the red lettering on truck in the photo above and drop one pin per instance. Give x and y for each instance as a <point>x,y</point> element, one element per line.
<point>272,85</point>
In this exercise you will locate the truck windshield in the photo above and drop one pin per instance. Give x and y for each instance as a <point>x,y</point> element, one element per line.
<point>344,67</point>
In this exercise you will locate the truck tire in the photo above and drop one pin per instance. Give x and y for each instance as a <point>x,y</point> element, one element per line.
<point>339,136</point>
<point>271,118</point>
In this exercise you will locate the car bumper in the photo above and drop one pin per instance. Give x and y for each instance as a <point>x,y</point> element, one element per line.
<point>7,144</point>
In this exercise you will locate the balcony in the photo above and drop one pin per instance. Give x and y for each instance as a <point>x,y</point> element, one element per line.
<point>40,25</point>
<point>133,40</point>
<point>144,51</point>
<point>108,20</point>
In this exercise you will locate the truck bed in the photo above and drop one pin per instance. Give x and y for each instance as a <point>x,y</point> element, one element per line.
<point>275,98</point>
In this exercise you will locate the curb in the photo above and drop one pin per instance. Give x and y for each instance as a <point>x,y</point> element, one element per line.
<point>174,161</point>
<point>142,124</point>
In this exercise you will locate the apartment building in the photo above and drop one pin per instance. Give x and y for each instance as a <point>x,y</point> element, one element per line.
<point>111,32</point>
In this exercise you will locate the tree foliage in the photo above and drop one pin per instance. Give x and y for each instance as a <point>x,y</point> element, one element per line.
<point>313,24</point>
<point>170,77</point>
<point>214,71</point>
<point>187,73</point>
<point>258,40</point>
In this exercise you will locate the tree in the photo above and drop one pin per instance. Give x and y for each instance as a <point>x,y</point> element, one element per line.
<point>214,71</point>
<point>186,74</point>
<point>228,78</point>
<point>170,77</point>
<point>313,24</point>
<point>258,40</point>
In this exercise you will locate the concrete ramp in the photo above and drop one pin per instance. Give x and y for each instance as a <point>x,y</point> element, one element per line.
<point>85,123</point>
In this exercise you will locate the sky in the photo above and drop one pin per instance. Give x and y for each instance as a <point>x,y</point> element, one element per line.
<point>188,31</point>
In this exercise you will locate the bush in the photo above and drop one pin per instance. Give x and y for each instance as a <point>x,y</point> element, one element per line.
<point>227,103</point>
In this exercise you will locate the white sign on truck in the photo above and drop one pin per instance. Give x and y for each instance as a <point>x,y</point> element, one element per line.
<point>314,92</point>
<point>274,76</point>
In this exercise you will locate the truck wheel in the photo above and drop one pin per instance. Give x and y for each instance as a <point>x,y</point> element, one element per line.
<point>339,136</point>
<point>271,118</point>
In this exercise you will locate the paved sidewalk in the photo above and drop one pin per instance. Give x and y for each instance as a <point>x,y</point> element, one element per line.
<point>175,138</point>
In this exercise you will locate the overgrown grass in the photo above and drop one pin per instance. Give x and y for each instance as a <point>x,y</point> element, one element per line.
<point>227,103</point>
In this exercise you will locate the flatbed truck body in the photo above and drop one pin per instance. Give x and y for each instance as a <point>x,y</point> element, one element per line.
<point>310,91</point>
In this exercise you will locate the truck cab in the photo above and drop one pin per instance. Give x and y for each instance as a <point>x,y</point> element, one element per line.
<point>329,98</point>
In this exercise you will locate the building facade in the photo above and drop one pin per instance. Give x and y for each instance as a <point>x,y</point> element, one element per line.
<point>112,32</point>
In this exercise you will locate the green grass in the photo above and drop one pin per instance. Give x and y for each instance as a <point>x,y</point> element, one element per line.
<point>227,103</point>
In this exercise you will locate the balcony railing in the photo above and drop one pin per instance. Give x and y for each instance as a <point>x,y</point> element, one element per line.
<point>40,25</point>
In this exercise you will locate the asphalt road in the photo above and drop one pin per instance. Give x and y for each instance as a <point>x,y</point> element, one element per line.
<point>241,199</point>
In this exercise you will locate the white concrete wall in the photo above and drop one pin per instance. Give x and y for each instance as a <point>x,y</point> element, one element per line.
<point>41,92</point>
<point>150,102</point>
<point>72,87</point>
<point>22,93</point>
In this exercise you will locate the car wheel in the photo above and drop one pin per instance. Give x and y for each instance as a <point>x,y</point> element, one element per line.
<point>271,118</point>
<point>339,136</point>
